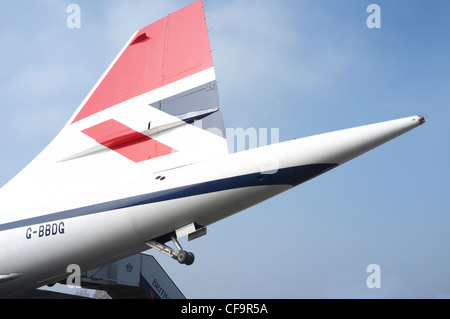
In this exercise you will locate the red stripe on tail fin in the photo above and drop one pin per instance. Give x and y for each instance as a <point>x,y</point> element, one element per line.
<point>127,142</point>
<point>166,51</point>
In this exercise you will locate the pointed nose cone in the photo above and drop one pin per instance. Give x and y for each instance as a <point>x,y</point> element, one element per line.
<point>342,146</point>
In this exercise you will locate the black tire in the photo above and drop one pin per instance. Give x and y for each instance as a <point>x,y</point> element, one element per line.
<point>190,259</point>
<point>182,256</point>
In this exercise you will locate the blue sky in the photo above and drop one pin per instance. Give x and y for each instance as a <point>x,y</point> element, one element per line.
<point>305,67</point>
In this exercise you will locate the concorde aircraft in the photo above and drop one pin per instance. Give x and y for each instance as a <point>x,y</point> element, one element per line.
<point>144,161</point>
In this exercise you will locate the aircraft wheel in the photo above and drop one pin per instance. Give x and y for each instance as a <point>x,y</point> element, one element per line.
<point>190,259</point>
<point>182,256</point>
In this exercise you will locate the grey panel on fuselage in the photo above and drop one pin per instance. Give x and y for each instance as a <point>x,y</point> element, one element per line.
<point>200,98</point>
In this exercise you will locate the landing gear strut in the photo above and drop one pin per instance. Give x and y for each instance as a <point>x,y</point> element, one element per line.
<point>183,257</point>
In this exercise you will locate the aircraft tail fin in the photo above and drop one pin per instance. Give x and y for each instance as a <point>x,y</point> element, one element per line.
<point>161,81</point>
<point>155,108</point>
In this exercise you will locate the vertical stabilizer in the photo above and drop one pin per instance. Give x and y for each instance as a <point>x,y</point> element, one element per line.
<point>155,108</point>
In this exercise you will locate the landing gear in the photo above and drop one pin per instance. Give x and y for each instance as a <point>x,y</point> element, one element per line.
<point>185,257</point>
<point>182,256</point>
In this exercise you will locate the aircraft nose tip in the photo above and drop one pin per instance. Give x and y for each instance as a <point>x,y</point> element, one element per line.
<point>422,119</point>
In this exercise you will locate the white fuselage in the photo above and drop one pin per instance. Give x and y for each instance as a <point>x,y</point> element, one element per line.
<point>39,243</point>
